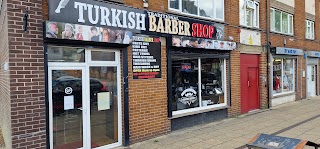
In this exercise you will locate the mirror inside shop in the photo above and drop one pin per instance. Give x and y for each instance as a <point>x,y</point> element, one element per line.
<point>190,92</point>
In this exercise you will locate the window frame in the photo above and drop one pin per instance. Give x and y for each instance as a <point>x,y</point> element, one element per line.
<point>290,23</point>
<point>255,23</point>
<point>311,32</point>
<point>200,108</point>
<point>282,74</point>
<point>179,10</point>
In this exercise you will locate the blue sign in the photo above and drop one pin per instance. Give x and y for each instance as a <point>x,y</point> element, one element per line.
<point>313,54</point>
<point>288,51</point>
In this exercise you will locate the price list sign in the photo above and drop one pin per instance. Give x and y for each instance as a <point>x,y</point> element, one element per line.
<point>146,57</point>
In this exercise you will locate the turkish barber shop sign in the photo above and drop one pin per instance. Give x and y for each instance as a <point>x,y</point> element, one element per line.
<point>115,17</point>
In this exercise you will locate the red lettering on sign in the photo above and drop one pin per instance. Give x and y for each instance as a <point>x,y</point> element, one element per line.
<point>194,29</point>
<point>205,31</point>
<point>200,30</point>
<point>211,31</point>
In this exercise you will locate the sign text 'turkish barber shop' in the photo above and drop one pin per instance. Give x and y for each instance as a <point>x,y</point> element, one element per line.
<point>101,14</point>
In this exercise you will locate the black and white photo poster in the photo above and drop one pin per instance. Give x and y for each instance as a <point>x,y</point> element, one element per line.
<point>146,57</point>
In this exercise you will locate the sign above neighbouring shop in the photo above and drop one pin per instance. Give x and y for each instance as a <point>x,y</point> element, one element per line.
<point>250,37</point>
<point>106,15</point>
<point>286,51</point>
<point>146,57</point>
<point>313,54</point>
<point>191,42</point>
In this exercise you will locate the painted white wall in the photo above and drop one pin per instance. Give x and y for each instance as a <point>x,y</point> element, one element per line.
<point>250,37</point>
<point>242,16</point>
<point>282,100</point>
<point>310,6</point>
<point>288,2</point>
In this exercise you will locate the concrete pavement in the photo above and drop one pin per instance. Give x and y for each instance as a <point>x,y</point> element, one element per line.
<point>299,119</point>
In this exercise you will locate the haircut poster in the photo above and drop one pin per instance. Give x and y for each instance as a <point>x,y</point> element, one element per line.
<point>146,57</point>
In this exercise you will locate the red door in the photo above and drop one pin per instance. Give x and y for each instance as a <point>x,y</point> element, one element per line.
<point>249,82</point>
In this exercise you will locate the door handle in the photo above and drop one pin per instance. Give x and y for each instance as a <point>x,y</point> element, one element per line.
<point>248,83</point>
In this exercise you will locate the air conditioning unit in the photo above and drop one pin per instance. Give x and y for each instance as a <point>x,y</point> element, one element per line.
<point>250,4</point>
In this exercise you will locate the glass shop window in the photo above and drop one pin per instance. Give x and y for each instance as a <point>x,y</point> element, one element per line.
<point>197,83</point>
<point>283,76</point>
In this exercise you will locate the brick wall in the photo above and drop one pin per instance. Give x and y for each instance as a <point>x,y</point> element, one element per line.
<point>27,84</point>
<point>5,115</point>
<point>148,104</point>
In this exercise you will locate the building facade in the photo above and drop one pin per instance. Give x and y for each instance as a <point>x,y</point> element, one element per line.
<point>101,74</point>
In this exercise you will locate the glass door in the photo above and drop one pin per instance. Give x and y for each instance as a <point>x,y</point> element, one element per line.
<point>84,98</point>
<point>66,94</point>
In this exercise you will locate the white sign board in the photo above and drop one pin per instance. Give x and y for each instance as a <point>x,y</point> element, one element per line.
<point>103,101</point>
<point>68,102</point>
<point>248,37</point>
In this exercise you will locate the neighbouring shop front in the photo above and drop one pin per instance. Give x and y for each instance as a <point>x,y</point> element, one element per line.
<point>87,46</point>
<point>312,73</point>
<point>283,74</point>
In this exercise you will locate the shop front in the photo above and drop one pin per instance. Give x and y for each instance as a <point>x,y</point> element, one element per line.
<point>86,50</point>
<point>198,70</point>
<point>284,74</point>
<point>98,57</point>
<point>312,73</point>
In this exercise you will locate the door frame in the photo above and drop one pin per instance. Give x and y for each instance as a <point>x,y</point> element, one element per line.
<point>85,67</point>
<point>315,81</point>
<point>247,66</point>
<point>84,123</point>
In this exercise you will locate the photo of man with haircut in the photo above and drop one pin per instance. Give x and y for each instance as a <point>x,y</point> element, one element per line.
<point>68,32</point>
<point>94,33</point>
<point>53,30</point>
<point>176,41</point>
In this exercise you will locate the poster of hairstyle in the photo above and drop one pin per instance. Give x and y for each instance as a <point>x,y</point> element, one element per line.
<point>87,33</point>
<point>201,43</point>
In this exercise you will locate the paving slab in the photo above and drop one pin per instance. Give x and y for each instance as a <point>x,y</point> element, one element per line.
<point>300,119</point>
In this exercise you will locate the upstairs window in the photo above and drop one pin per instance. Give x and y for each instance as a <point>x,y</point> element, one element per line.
<point>309,29</point>
<point>213,9</point>
<point>250,11</point>
<point>281,22</point>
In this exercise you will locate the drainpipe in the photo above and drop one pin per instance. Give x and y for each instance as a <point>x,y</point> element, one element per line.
<point>268,51</point>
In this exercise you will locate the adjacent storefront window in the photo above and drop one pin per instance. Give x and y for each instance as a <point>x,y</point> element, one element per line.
<point>210,9</point>
<point>197,83</point>
<point>283,75</point>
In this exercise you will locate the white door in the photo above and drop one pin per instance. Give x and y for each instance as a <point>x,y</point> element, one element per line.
<point>84,102</point>
<point>311,80</point>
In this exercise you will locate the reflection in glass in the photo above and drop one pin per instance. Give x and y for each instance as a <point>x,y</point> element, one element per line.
<point>219,9</point>
<point>211,82</point>
<point>67,121</point>
<point>66,54</point>
<point>190,6</point>
<point>288,75</point>
<point>284,23</point>
<point>206,8</point>
<point>174,4</point>
<point>104,106</point>
<point>103,56</point>
<point>185,84</point>
<point>277,76</point>
<point>277,20</point>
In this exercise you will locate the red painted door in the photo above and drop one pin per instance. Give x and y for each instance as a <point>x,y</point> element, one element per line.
<point>249,82</point>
